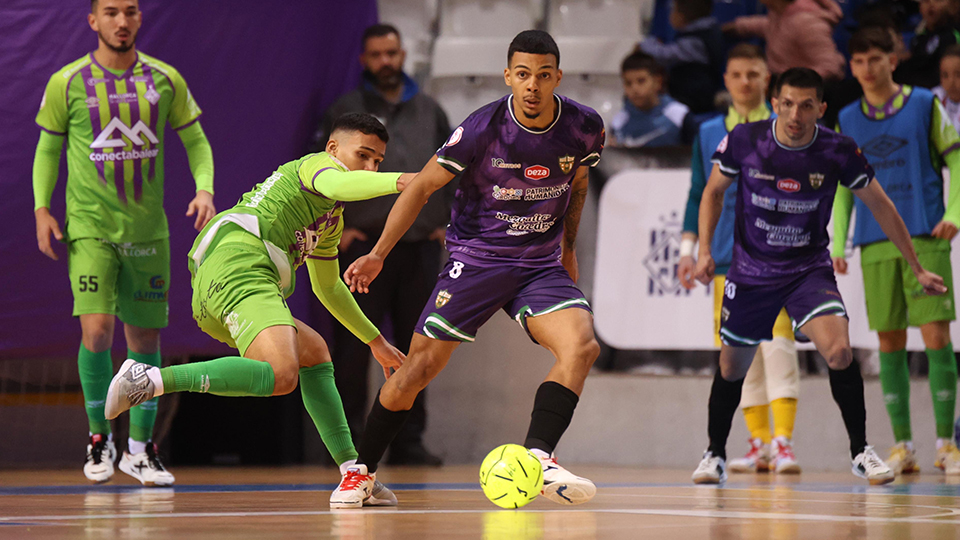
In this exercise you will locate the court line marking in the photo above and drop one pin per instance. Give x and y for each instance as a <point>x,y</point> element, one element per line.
<point>713,514</point>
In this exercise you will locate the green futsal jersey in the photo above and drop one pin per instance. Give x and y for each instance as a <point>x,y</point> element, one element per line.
<point>297,212</point>
<point>114,128</point>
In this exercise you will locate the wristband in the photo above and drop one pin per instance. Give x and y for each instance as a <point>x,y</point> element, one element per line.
<point>686,247</point>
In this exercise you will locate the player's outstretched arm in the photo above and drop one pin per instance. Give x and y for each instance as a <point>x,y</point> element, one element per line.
<point>46,165</point>
<point>842,208</point>
<point>200,157</point>
<point>334,295</point>
<point>571,222</point>
<point>885,212</point>
<point>404,212</point>
<point>710,207</point>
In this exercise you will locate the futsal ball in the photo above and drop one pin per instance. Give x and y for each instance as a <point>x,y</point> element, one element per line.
<point>511,476</point>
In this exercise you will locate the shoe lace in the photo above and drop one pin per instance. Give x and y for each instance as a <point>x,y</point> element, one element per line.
<point>871,459</point>
<point>96,450</point>
<point>153,458</point>
<point>352,480</point>
<point>785,452</point>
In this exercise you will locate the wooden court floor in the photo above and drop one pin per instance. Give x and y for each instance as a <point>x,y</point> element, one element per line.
<point>292,503</point>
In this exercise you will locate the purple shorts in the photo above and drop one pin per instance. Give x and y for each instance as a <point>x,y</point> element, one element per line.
<point>467,295</point>
<point>749,310</point>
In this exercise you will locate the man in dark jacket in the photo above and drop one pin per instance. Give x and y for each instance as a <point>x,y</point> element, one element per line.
<point>417,127</point>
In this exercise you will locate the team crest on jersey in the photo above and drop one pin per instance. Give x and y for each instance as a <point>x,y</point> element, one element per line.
<point>442,298</point>
<point>152,96</point>
<point>816,180</point>
<point>566,164</point>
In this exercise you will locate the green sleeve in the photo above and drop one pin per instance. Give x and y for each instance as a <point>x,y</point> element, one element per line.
<point>46,167</point>
<point>52,115</point>
<point>336,297</point>
<point>350,185</point>
<point>842,207</point>
<point>184,108</point>
<point>952,213</point>
<point>199,154</point>
<point>698,181</point>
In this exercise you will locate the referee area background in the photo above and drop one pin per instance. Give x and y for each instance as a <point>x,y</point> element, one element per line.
<point>263,72</point>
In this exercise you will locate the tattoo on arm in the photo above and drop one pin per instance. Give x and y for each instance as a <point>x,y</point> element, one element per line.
<point>571,222</point>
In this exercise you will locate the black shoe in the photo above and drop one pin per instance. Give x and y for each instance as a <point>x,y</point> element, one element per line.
<point>413,455</point>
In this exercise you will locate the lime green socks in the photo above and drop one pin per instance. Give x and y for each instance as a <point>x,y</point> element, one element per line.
<point>943,388</point>
<point>322,400</point>
<point>143,416</point>
<point>231,376</point>
<point>96,371</point>
<point>895,382</point>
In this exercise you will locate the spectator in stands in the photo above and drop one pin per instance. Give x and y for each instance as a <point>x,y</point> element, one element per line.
<point>798,33</point>
<point>949,90</point>
<point>417,127</point>
<point>938,30</point>
<point>695,60</point>
<point>649,117</point>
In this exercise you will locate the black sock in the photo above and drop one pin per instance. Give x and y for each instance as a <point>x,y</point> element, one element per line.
<point>724,400</point>
<point>846,385</point>
<point>552,410</point>
<point>381,428</point>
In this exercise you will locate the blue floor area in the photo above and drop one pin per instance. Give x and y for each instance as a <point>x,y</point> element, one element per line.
<point>928,489</point>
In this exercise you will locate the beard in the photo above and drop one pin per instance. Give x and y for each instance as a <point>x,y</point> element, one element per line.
<point>122,48</point>
<point>387,77</point>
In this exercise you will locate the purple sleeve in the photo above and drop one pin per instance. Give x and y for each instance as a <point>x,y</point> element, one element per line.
<point>594,150</point>
<point>458,152</point>
<point>857,172</point>
<point>725,155</point>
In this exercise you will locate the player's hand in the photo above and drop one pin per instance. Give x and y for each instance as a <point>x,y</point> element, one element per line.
<point>568,258</point>
<point>362,272</point>
<point>705,269</point>
<point>386,354</point>
<point>840,266</point>
<point>685,271</point>
<point>932,283</point>
<point>945,230</point>
<point>47,225</point>
<point>348,236</point>
<point>202,206</point>
<point>405,180</point>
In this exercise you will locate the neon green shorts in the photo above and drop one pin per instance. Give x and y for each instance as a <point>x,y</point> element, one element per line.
<point>236,292</point>
<point>128,280</point>
<point>895,299</point>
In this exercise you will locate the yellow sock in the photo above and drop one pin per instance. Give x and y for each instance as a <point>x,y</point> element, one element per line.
<point>758,422</point>
<point>784,415</point>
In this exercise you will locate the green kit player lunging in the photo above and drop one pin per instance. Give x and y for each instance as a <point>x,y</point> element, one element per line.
<point>243,266</point>
<point>907,137</point>
<point>111,107</point>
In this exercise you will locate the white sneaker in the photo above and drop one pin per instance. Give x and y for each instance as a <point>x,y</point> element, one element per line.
<point>130,387</point>
<point>868,465</point>
<point>101,453</point>
<point>380,495</point>
<point>355,487</point>
<point>948,458</point>
<point>562,486</point>
<point>712,470</point>
<point>146,467</point>
<point>784,462</point>
<point>903,458</point>
<point>757,459</point>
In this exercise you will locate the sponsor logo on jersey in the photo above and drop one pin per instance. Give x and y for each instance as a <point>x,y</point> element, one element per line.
<point>884,145</point>
<point>442,298</point>
<point>107,139</point>
<point>264,188</point>
<point>566,164</point>
<point>499,163</point>
<point>789,206</point>
<point>126,97</point>
<point>128,250</point>
<point>150,296</point>
<point>93,81</point>
<point>520,225</point>
<point>789,185</point>
<point>507,194</point>
<point>92,102</point>
<point>455,136</point>
<point>816,180</point>
<point>722,147</point>
<point>139,78</point>
<point>157,282</point>
<point>152,96</point>
<point>767,203</point>
<point>545,193</point>
<point>536,172</point>
<point>754,173</point>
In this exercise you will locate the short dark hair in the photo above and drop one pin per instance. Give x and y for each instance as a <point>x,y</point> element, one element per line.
<point>379,30</point>
<point>874,37</point>
<point>693,9</point>
<point>533,42</point>
<point>362,122</point>
<point>641,61</point>
<point>952,50</point>
<point>746,51</point>
<point>800,78</point>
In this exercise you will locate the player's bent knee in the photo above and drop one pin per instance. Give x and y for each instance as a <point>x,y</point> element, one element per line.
<point>839,357</point>
<point>285,380</point>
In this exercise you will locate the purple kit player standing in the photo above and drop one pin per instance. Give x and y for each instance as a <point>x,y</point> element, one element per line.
<point>523,162</point>
<point>788,171</point>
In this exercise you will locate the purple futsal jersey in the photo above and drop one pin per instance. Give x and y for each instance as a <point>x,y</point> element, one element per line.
<point>784,198</point>
<point>515,181</point>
